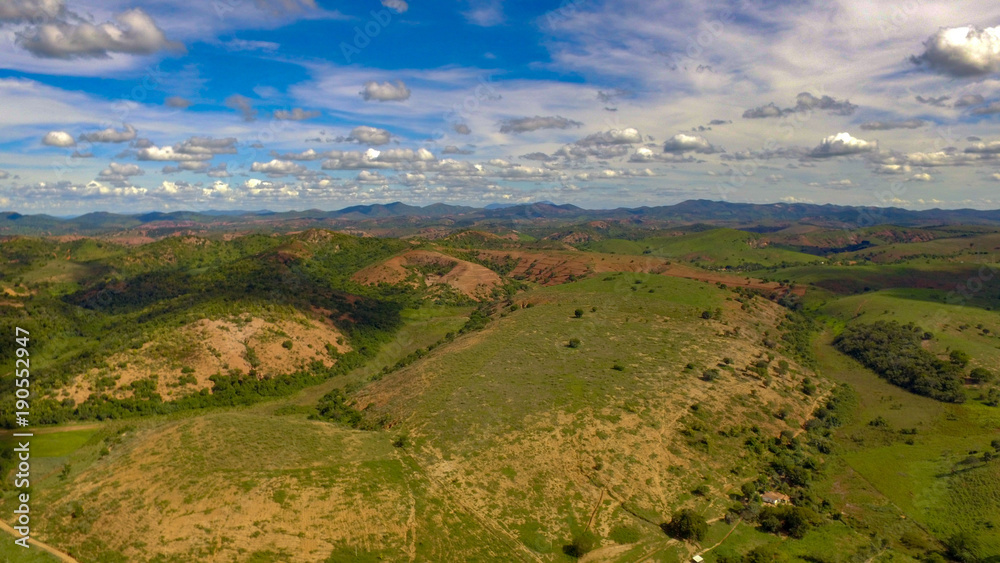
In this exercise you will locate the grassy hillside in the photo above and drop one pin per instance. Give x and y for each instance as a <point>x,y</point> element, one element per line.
<point>717,248</point>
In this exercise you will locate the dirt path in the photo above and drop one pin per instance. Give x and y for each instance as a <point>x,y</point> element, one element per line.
<point>729,533</point>
<point>65,557</point>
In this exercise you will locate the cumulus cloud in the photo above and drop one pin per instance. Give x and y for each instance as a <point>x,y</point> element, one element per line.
<point>452,149</point>
<point>297,114</point>
<point>207,146</point>
<point>962,51</point>
<point>305,155</point>
<point>404,155</point>
<point>922,177</point>
<point>761,112</point>
<point>996,176</point>
<point>984,148</point>
<point>539,156</point>
<point>932,101</point>
<point>385,92</point>
<point>886,125</point>
<point>4,174</point>
<point>688,143</point>
<point>526,124</point>
<point>892,169</point>
<point>132,32</point>
<point>119,174</point>
<point>277,168</point>
<point>18,11</point>
<point>626,136</point>
<point>399,6</point>
<point>117,169</point>
<point>58,139</point>
<point>110,135</point>
<point>370,135</point>
<point>168,154</point>
<point>462,129</point>
<point>368,177</point>
<point>839,145</point>
<point>969,100</point>
<point>989,109</point>
<point>177,102</point>
<point>804,102</point>
<point>243,105</point>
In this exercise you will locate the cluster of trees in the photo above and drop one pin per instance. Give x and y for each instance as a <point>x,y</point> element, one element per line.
<point>893,351</point>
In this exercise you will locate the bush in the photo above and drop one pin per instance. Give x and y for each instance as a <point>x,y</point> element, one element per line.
<point>710,374</point>
<point>582,544</point>
<point>578,313</point>
<point>686,525</point>
<point>573,343</point>
<point>981,375</point>
<point>287,344</point>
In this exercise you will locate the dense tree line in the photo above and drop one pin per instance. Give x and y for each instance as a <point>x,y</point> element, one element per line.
<point>894,352</point>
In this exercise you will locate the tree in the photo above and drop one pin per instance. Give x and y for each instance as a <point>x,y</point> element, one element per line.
<point>578,313</point>
<point>686,525</point>
<point>959,358</point>
<point>573,343</point>
<point>981,375</point>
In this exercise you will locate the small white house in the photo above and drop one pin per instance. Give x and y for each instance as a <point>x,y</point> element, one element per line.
<point>697,559</point>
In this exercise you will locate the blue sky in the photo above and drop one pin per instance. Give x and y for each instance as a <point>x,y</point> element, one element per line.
<point>131,106</point>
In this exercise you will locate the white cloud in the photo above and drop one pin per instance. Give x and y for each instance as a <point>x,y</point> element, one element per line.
<point>166,154</point>
<point>116,169</point>
<point>306,155</point>
<point>385,92</point>
<point>992,147</point>
<point>399,6</point>
<point>132,32</point>
<point>963,51</point>
<point>367,177</point>
<point>58,139</point>
<point>841,144</point>
<point>30,10</point>
<point>626,136</point>
<point>297,114</point>
<point>110,135</point>
<point>278,168</point>
<point>688,143</point>
<point>996,176</point>
<point>922,177</point>
<point>370,135</point>
<point>4,174</point>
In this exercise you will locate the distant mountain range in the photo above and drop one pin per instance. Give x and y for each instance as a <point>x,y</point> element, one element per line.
<point>688,212</point>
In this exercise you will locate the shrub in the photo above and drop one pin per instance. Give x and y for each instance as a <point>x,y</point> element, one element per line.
<point>578,313</point>
<point>686,525</point>
<point>582,544</point>
<point>573,343</point>
<point>287,344</point>
<point>981,375</point>
<point>710,374</point>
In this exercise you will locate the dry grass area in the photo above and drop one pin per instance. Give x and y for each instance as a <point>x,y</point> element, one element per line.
<point>468,278</point>
<point>209,346</point>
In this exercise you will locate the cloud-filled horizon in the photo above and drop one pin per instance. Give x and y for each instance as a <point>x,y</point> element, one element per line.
<point>131,105</point>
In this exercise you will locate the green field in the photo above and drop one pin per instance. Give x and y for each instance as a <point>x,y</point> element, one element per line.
<point>717,247</point>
